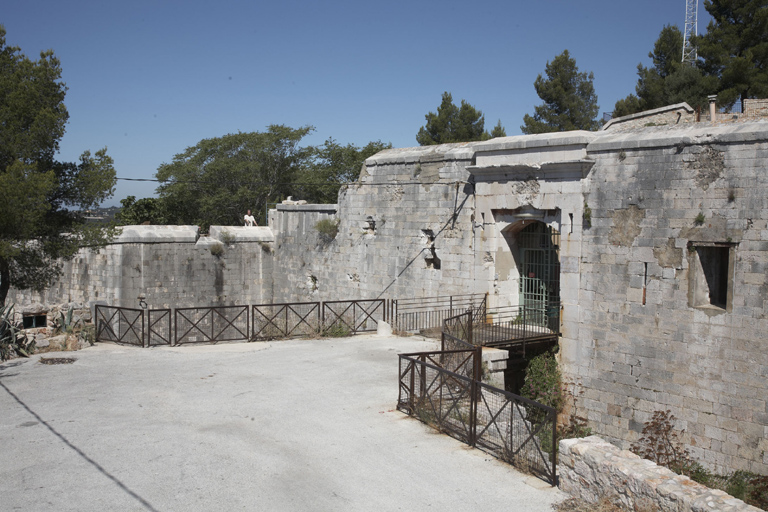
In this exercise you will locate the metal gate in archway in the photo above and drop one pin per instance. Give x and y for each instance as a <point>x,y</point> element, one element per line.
<point>539,267</point>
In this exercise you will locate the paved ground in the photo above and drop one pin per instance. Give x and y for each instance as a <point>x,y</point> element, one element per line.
<point>295,425</point>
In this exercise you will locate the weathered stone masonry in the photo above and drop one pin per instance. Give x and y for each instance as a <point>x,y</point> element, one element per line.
<point>663,253</point>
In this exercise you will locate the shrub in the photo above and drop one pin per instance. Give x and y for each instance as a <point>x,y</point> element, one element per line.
<point>12,340</point>
<point>217,250</point>
<point>228,238</point>
<point>660,443</point>
<point>543,382</point>
<point>327,230</point>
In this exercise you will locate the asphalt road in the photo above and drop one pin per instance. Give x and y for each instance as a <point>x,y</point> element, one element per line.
<point>293,425</point>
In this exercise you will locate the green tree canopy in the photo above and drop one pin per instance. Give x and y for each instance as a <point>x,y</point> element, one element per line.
<point>41,200</point>
<point>216,181</point>
<point>668,81</point>
<point>146,210</point>
<point>734,48</point>
<point>219,179</point>
<point>332,166</point>
<point>570,102</point>
<point>454,124</point>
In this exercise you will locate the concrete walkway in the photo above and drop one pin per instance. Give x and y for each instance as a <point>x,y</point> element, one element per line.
<point>294,425</point>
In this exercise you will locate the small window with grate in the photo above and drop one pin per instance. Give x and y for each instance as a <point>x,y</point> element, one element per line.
<point>710,274</point>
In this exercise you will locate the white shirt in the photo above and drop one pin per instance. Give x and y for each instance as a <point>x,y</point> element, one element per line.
<point>249,220</point>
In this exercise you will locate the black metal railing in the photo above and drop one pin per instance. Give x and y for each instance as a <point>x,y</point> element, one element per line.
<point>211,324</point>
<point>276,321</point>
<point>430,312</point>
<point>119,325</point>
<point>510,427</point>
<point>518,326</point>
<point>159,327</point>
<point>353,316</point>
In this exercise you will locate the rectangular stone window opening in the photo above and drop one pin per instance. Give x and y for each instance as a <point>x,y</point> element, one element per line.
<point>710,274</point>
<point>33,321</point>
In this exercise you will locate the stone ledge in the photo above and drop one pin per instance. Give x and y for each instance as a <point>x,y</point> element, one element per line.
<point>157,234</point>
<point>243,233</point>
<point>330,208</point>
<point>591,468</point>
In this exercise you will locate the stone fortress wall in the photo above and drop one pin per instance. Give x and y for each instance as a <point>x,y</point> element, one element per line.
<point>170,266</point>
<point>663,256</point>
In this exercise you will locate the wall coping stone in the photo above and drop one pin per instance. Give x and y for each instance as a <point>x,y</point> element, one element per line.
<point>440,152</point>
<point>157,234</point>
<point>243,233</point>
<point>648,113</point>
<point>681,135</point>
<point>307,207</point>
<point>542,140</point>
<point>591,468</point>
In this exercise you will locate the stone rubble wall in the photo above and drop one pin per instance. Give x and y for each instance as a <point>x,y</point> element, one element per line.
<point>755,107</point>
<point>592,469</point>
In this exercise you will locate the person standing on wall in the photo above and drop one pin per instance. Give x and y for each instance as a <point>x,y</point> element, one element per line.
<point>249,220</point>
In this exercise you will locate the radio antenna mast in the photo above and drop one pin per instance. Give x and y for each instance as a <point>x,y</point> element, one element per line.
<point>691,19</point>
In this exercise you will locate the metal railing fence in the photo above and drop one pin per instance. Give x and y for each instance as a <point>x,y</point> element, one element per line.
<point>353,315</point>
<point>119,325</point>
<point>211,324</point>
<point>275,321</point>
<point>159,327</point>
<point>430,312</point>
<point>510,427</point>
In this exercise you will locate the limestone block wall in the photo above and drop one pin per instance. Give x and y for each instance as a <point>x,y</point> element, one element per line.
<point>405,230</point>
<point>170,265</point>
<point>648,337</point>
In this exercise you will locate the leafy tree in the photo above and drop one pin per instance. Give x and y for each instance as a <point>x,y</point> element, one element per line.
<point>668,81</point>
<point>735,48</point>
<point>332,166</point>
<point>134,212</point>
<point>41,200</point>
<point>219,179</point>
<point>570,102</point>
<point>454,124</point>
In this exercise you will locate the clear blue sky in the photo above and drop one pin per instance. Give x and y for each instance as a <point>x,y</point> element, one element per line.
<point>148,79</point>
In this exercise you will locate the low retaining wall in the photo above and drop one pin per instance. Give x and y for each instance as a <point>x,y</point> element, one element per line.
<point>591,468</point>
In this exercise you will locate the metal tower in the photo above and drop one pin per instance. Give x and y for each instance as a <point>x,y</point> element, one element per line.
<point>691,16</point>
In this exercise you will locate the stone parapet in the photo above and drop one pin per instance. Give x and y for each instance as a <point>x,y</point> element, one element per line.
<point>591,469</point>
<point>157,234</point>
<point>242,233</point>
